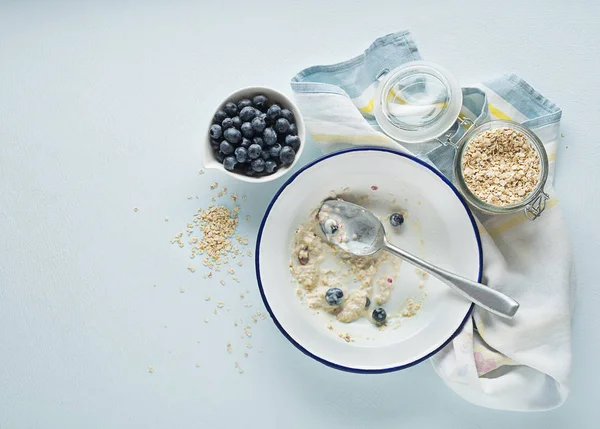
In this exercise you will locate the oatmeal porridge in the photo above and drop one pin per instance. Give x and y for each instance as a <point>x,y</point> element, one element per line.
<point>365,282</point>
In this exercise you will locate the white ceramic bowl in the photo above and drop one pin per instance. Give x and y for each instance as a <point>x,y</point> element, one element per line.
<point>208,156</point>
<point>439,227</point>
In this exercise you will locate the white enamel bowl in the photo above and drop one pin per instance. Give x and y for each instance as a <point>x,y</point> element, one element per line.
<point>208,156</point>
<point>439,227</point>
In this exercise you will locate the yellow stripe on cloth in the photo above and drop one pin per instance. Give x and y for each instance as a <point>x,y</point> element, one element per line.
<point>369,107</point>
<point>498,113</point>
<point>350,138</point>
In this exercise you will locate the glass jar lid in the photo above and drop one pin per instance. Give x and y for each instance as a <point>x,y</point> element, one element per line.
<point>417,102</point>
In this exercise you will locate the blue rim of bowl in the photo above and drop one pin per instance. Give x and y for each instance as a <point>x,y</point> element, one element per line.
<point>262,292</point>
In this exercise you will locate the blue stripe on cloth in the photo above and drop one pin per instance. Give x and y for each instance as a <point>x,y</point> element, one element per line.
<point>352,77</point>
<point>537,108</point>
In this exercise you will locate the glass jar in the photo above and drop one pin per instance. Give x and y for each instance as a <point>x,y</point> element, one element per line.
<point>534,203</point>
<point>420,102</point>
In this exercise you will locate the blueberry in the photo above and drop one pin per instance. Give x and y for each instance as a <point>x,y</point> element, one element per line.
<point>227,123</point>
<point>243,103</point>
<point>379,315</point>
<point>237,122</point>
<point>293,130</point>
<point>249,171</point>
<point>287,155</point>
<point>220,156</point>
<point>254,151</point>
<point>265,155</point>
<point>263,116</point>
<point>367,302</point>
<point>245,143</point>
<point>396,219</point>
<point>232,135</point>
<point>259,124</point>
<point>241,155</point>
<point>226,147</point>
<point>334,296</point>
<point>287,114</point>
<point>215,144</point>
<point>248,113</point>
<point>282,126</point>
<point>229,163</point>
<point>247,130</point>
<point>215,131</point>
<point>219,116</point>
<point>275,150</point>
<point>274,112</point>
<point>270,166</point>
<point>258,165</point>
<point>293,142</point>
<point>270,136</point>
<point>260,102</point>
<point>230,108</point>
<point>259,141</point>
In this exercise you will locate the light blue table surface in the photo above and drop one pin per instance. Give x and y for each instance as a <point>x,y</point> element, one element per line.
<point>102,109</point>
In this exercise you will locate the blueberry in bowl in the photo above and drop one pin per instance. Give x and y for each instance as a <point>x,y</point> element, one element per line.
<point>256,135</point>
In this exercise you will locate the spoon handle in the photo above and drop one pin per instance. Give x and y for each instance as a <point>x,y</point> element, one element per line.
<point>484,296</point>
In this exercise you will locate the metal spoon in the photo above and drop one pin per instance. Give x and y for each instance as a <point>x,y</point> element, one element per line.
<point>357,231</point>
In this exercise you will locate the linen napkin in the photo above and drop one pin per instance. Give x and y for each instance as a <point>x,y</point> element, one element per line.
<point>521,364</point>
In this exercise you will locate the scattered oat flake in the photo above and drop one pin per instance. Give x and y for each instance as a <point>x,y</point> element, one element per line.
<point>207,298</point>
<point>236,364</point>
<point>249,253</point>
<point>181,289</point>
<point>229,349</point>
<point>220,304</point>
<point>247,218</point>
<point>244,197</point>
<point>245,354</point>
<point>200,171</point>
<point>234,278</point>
<point>241,296</point>
<point>248,305</point>
<point>189,197</point>
<point>240,370</point>
<point>150,369</point>
<point>222,282</point>
<point>214,185</point>
<point>135,209</point>
<point>248,345</point>
<point>231,271</point>
<point>205,320</point>
<point>345,336</point>
<point>235,324</point>
<point>248,332</point>
<point>240,262</point>
<point>192,269</point>
<point>166,219</point>
<point>197,365</point>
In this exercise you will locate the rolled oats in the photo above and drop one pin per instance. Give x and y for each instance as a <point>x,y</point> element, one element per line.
<point>500,166</point>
